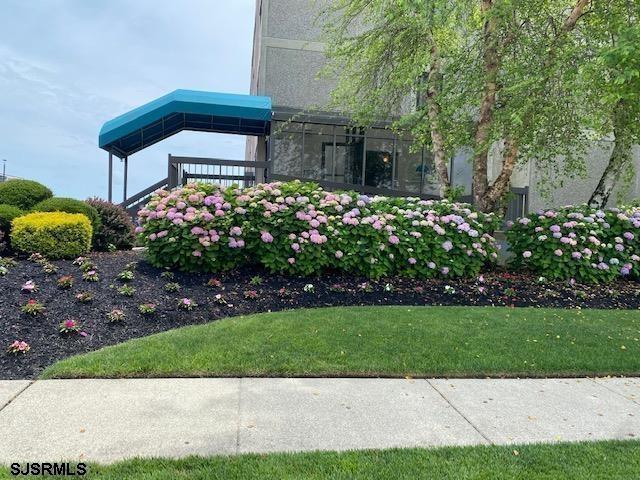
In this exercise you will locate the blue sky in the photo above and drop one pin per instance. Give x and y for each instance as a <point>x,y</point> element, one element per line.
<point>67,66</point>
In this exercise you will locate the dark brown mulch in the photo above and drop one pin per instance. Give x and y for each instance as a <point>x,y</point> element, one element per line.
<point>332,289</point>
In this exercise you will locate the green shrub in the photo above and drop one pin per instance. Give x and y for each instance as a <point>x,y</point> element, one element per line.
<point>23,193</point>
<point>298,228</point>
<point>54,234</point>
<point>116,227</point>
<point>578,242</point>
<point>69,205</point>
<point>7,214</point>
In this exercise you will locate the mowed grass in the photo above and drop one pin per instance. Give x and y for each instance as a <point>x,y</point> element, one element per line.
<point>381,341</point>
<point>579,461</point>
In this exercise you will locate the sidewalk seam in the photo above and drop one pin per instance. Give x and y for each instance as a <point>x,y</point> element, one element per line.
<point>239,414</point>
<point>593,380</point>
<point>460,413</point>
<point>16,395</point>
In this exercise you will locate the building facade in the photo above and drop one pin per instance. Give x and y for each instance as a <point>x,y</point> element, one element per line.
<point>308,142</point>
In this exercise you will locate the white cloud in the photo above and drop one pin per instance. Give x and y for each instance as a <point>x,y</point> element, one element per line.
<point>67,66</point>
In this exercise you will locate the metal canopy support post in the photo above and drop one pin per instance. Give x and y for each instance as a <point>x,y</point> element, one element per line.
<point>110,195</point>
<point>124,188</point>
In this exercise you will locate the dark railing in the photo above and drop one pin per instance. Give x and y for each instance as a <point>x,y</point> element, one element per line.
<point>215,170</point>
<point>135,202</point>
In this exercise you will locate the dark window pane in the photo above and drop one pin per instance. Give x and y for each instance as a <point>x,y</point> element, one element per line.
<point>347,167</point>
<point>462,171</point>
<point>408,168</point>
<point>431,185</point>
<point>318,151</point>
<point>286,153</point>
<point>379,165</point>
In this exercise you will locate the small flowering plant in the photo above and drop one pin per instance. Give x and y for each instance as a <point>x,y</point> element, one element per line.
<point>33,307</point>
<point>147,308</point>
<point>309,288</point>
<point>65,282</point>
<point>29,287</point>
<point>3,270</point>
<point>187,304</point>
<point>87,265</point>
<point>69,326</point>
<point>251,294</point>
<point>49,268</point>
<point>126,276</point>
<point>18,346</point>
<point>127,290</point>
<point>91,276</point>
<point>219,299</point>
<point>84,297</point>
<point>172,287</point>
<point>214,282</point>
<point>116,315</point>
<point>37,258</point>
<point>167,275</point>
<point>79,261</point>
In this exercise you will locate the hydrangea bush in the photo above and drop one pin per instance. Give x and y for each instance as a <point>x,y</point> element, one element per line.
<point>578,242</point>
<point>298,228</point>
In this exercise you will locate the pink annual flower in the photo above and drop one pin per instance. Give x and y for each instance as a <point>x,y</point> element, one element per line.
<point>266,237</point>
<point>393,240</point>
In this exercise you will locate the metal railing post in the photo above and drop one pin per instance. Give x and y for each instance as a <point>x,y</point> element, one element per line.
<point>110,194</point>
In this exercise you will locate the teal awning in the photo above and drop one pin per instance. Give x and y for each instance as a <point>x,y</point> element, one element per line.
<point>185,110</point>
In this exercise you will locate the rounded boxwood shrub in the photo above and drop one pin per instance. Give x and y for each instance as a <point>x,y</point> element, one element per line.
<point>23,194</point>
<point>54,234</point>
<point>7,214</point>
<point>298,228</point>
<point>578,242</point>
<point>116,227</point>
<point>69,205</point>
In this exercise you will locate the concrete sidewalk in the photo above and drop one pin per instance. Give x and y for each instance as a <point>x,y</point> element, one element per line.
<point>108,420</point>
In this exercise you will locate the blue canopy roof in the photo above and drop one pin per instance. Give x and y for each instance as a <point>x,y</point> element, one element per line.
<point>185,110</point>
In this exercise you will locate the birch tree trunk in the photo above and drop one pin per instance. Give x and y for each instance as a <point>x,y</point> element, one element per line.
<point>485,119</point>
<point>619,160</point>
<point>433,112</point>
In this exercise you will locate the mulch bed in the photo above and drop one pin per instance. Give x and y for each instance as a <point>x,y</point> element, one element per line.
<point>332,289</point>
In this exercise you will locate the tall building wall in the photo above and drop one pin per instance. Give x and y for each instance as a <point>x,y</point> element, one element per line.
<point>288,53</point>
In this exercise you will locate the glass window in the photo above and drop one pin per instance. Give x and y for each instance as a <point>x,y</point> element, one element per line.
<point>349,153</point>
<point>286,153</point>
<point>431,183</point>
<point>408,168</point>
<point>318,151</point>
<point>462,171</point>
<point>379,165</point>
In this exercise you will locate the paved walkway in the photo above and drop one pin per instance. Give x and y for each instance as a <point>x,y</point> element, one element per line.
<point>107,420</point>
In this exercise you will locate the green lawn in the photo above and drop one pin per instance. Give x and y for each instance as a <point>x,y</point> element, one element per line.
<point>579,461</point>
<point>381,341</point>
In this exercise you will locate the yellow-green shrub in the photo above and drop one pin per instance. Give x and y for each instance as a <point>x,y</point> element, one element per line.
<point>53,234</point>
